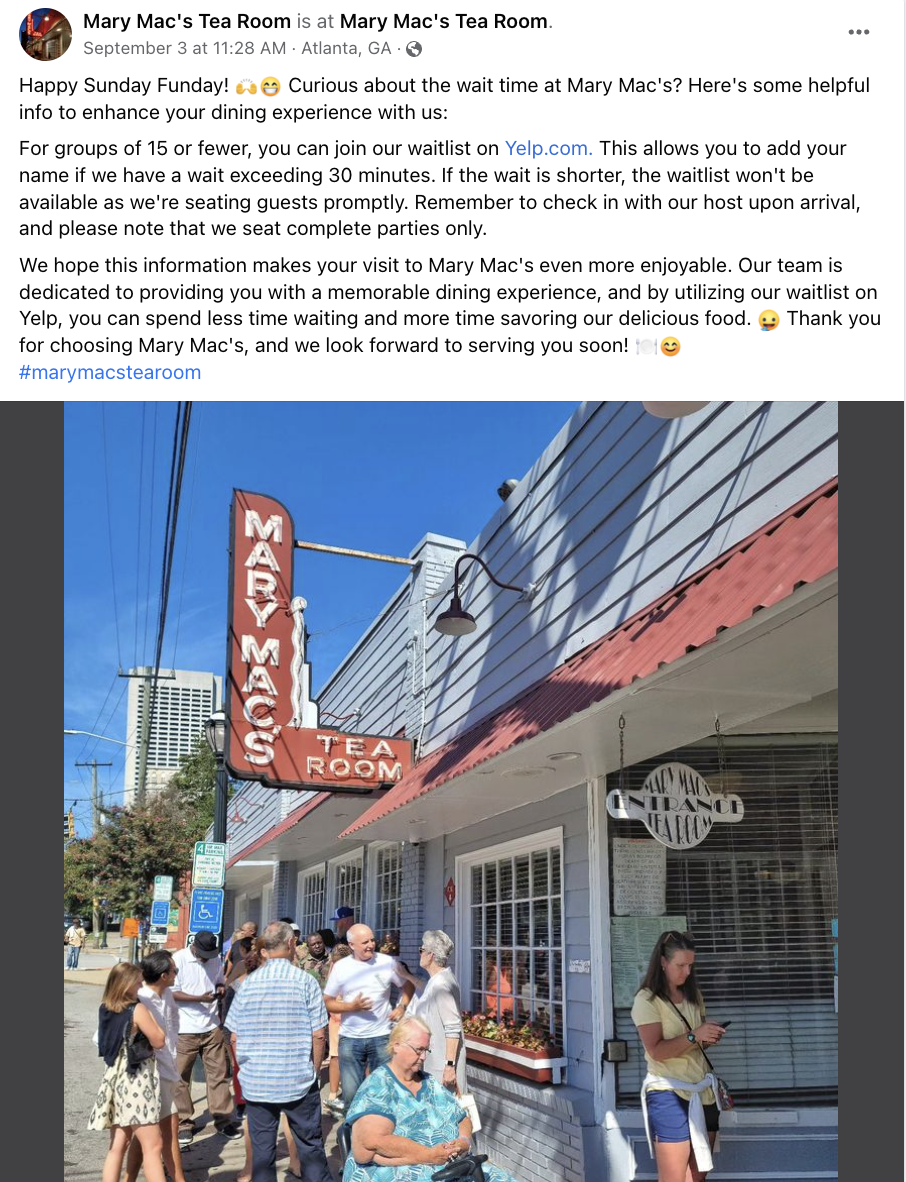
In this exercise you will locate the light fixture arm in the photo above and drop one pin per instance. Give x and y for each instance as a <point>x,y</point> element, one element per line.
<point>487,571</point>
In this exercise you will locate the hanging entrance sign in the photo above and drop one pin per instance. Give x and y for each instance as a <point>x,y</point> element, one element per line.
<point>676,805</point>
<point>273,733</point>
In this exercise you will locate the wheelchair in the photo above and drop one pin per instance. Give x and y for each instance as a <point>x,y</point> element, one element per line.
<point>466,1167</point>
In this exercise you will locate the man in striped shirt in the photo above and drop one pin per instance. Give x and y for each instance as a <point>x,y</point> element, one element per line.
<point>279,1033</point>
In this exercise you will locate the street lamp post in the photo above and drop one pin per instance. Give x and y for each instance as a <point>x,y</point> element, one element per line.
<point>215,733</point>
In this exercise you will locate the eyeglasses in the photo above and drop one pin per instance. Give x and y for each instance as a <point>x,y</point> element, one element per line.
<point>419,1052</point>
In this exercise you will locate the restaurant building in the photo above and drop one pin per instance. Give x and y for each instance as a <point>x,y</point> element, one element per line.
<point>678,607</point>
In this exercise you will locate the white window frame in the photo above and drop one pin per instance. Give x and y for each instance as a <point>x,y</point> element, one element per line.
<point>544,840</point>
<point>356,855</point>
<point>301,878</point>
<point>371,883</point>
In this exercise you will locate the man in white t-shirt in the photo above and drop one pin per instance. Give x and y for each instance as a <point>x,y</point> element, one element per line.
<point>198,988</point>
<point>159,972</point>
<point>358,989</point>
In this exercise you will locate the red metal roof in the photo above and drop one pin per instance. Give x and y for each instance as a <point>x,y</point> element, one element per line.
<point>798,547</point>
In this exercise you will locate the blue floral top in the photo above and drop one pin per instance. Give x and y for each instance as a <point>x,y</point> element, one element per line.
<point>430,1117</point>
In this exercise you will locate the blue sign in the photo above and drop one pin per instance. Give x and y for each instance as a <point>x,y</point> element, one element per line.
<point>160,913</point>
<point>206,912</point>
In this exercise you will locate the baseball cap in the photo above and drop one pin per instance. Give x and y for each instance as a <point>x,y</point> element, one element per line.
<point>205,945</point>
<point>342,913</point>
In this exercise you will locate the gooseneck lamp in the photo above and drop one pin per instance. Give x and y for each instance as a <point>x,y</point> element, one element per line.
<point>455,621</point>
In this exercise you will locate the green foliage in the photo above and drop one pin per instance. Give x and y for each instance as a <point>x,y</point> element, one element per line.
<point>134,844</point>
<point>193,784</point>
<point>77,881</point>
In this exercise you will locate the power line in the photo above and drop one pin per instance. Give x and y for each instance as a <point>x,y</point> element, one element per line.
<point>138,528</point>
<point>116,619</point>
<point>185,552</point>
<point>177,468</point>
<point>150,529</point>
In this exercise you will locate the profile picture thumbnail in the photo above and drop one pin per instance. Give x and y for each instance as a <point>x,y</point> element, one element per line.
<point>45,34</point>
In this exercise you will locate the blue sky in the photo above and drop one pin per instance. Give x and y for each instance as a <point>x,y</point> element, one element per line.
<point>370,476</point>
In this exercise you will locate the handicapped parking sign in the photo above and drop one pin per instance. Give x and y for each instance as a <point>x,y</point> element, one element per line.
<point>206,910</point>
<point>160,912</point>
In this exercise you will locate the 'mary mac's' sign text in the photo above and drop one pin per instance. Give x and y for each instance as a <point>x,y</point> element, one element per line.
<point>273,733</point>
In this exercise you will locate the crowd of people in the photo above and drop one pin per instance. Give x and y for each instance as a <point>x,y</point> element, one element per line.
<point>267,1016</point>
<point>266,1013</point>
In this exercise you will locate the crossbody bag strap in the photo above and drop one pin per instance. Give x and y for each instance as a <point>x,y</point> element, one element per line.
<point>689,1028</point>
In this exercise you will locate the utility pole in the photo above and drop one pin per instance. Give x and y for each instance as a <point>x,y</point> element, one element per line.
<point>95,826</point>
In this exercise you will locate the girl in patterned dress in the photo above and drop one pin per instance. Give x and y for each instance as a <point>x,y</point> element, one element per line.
<point>128,1102</point>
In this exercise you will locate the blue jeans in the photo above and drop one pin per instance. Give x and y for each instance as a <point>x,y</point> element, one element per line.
<point>72,960</point>
<point>304,1117</point>
<point>357,1054</point>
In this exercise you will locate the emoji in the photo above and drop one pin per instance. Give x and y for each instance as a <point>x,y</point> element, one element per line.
<point>670,346</point>
<point>270,87</point>
<point>768,320</point>
<point>246,86</point>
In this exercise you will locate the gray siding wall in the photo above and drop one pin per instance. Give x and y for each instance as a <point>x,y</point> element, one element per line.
<point>254,811</point>
<point>373,678</point>
<point>618,510</point>
<point>568,810</point>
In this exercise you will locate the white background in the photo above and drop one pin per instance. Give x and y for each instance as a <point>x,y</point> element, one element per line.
<point>657,40</point>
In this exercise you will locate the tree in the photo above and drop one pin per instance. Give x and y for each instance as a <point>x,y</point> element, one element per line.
<point>193,785</point>
<point>134,844</point>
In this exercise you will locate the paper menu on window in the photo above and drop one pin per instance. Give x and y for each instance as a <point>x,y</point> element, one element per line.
<point>632,940</point>
<point>639,871</point>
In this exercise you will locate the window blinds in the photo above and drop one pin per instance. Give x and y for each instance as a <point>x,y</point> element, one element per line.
<point>759,897</point>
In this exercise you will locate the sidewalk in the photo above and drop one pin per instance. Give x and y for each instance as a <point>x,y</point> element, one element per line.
<point>213,1156</point>
<point>209,1155</point>
<point>96,963</point>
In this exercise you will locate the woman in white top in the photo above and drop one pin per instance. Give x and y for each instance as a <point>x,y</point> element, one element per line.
<point>439,1006</point>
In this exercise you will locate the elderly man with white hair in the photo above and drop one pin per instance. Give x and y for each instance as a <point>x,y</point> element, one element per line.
<point>279,1030</point>
<point>439,1006</point>
<point>358,988</point>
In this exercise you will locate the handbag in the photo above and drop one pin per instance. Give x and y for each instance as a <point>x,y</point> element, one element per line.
<point>138,1049</point>
<point>725,1100</point>
<point>467,1100</point>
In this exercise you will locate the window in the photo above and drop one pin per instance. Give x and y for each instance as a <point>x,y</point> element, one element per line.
<point>760,897</point>
<point>345,884</point>
<point>310,900</point>
<point>385,887</point>
<point>511,921</point>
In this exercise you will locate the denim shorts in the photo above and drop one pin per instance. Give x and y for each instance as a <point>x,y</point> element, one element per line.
<point>668,1116</point>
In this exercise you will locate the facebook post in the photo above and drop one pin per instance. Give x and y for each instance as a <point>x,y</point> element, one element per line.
<point>376,203</point>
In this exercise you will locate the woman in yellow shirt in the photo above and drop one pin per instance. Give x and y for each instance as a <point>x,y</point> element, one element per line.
<point>670,1015</point>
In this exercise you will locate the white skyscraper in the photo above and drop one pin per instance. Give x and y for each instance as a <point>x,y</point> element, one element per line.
<point>183,704</point>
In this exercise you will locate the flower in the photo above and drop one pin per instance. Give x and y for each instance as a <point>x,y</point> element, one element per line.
<point>528,1036</point>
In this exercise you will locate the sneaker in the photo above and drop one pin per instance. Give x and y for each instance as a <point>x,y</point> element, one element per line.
<point>335,1105</point>
<point>231,1132</point>
<point>185,1138</point>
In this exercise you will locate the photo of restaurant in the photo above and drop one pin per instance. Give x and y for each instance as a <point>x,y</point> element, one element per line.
<point>45,34</point>
<point>669,598</point>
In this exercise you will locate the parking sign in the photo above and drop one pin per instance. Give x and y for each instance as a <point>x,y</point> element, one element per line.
<point>160,913</point>
<point>206,912</point>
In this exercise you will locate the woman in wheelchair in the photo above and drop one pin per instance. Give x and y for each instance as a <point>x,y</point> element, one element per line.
<point>405,1125</point>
